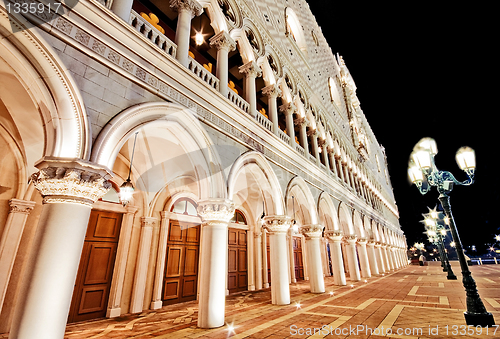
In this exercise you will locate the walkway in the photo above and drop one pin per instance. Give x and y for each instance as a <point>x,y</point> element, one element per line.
<point>414,302</point>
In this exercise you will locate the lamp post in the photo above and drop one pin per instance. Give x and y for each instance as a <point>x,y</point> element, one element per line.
<point>424,174</point>
<point>434,223</point>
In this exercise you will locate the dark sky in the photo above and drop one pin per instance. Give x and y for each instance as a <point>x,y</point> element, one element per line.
<point>426,72</point>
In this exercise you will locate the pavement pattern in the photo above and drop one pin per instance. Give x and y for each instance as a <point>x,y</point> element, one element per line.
<point>413,302</point>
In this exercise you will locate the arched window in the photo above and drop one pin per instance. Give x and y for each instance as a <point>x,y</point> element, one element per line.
<point>239,218</point>
<point>184,206</point>
<point>295,31</point>
<point>334,92</point>
<point>111,196</point>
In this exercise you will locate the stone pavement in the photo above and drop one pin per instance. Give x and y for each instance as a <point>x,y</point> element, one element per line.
<point>413,302</point>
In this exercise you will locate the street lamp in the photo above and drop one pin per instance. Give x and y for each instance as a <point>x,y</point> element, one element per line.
<point>434,222</point>
<point>422,158</point>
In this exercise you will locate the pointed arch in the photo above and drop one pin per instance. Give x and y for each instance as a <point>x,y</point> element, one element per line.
<point>297,187</point>
<point>327,212</point>
<point>345,220</point>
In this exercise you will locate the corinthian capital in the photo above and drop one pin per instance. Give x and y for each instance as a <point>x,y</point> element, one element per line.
<point>277,223</point>
<point>223,40</point>
<point>311,231</point>
<point>288,108</point>
<point>216,210</point>
<point>272,91</point>
<point>335,235</point>
<point>70,181</point>
<point>190,5</point>
<point>250,69</point>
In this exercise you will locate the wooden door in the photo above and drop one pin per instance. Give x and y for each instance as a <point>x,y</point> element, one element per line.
<point>268,259</point>
<point>180,281</point>
<point>237,279</point>
<point>297,258</point>
<point>93,281</point>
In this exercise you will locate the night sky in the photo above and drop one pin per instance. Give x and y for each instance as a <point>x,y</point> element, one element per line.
<point>426,72</point>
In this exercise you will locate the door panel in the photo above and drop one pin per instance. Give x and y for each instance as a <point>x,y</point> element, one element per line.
<point>180,279</point>
<point>237,260</point>
<point>298,259</point>
<point>93,281</point>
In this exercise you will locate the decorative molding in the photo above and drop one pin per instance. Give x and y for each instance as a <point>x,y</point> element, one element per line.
<point>21,206</point>
<point>223,40</point>
<point>215,210</point>
<point>277,223</point>
<point>250,69</point>
<point>190,5</point>
<point>311,231</point>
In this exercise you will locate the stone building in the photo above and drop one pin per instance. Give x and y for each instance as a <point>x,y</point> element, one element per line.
<point>252,161</point>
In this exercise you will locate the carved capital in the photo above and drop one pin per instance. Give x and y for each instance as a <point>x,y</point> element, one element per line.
<point>189,5</point>
<point>70,181</point>
<point>277,223</point>
<point>300,121</point>
<point>311,231</point>
<point>21,206</point>
<point>362,241</point>
<point>350,238</point>
<point>250,69</point>
<point>148,221</point>
<point>330,150</point>
<point>216,210</point>
<point>321,142</point>
<point>223,40</point>
<point>312,132</point>
<point>335,235</point>
<point>288,108</point>
<point>272,91</point>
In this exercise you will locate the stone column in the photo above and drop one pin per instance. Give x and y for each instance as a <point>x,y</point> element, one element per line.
<point>288,110</point>
<point>363,258</point>
<point>314,139</point>
<point>312,233</point>
<point>383,249</point>
<point>69,188</point>
<point>123,9</point>
<point>258,260</point>
<point>303,134</point>
<point>215,215</point>
<point>11,237</point>
<point>141,266</point>
<point>272,92</point>
<point>335,238</point>
<point>390,258</point>
<point>250,261</point>
<point>115,292</point>
<point>340,172</point>
<point>156,301</point>
<point>277,226</point>
<point>380,258</point>
<point>331,155</point>
<point>264,259</point>
<point>324,153</point>
<point>372,257</point>
<point>291,255</point>
<point>352,258</point>
<point>224,44</point>
<point>251,71</point>
<point>186,10</point>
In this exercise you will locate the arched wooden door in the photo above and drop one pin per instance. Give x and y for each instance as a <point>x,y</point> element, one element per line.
<point>93,281</point>
<point>237,280</point>
<point>297,258</point>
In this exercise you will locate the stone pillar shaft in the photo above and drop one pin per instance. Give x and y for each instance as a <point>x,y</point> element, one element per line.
<point>224,44</point>
<point>186,10</point>
<point>335,239</point>
<point>312,234</point>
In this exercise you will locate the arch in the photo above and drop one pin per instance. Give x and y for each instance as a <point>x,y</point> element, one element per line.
<point>51,90</point>
<point>327,212</point>
<point>368,227</point>
<point>345,219</point>
<point>253,36</point>
<point>297,187</point>
<point>274,61</point>
<point>177,118</point>
<point>216,15</point>
<point>358,224</point>
<point>269,188</point>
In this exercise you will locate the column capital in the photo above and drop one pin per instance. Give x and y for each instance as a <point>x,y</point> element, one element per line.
<point>70,181</point>
<point>277,223</point>
<point>287,108</point>
<point>148,221</point>
<point>311,231</point>
<point>250,69</point>
<point>223,40</point>
<point>362,241</point>
<point>190,5</point>
<point>21,206</point>
<point>321,142</point>
<point>312,132</point>
<point>350,238</point>
<point>300,121</point>
<point>215,210</point>
<point>335,235</point>
<point>272,91</point>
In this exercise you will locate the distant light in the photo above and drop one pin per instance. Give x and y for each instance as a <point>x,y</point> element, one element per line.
<point>297,304</point>
<point>352,285</point>
<point>366,281</point>
<point>331,292</point>
<point>497,237</point>
<point>230,328</point>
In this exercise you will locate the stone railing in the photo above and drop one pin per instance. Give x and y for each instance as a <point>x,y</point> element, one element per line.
<point>195,67</point>
<point>238,101</point>
<point>300,149</point>
<point>152,34</point>
<point>312,157</point>
<point>264,121</point>
<point>283,136</point>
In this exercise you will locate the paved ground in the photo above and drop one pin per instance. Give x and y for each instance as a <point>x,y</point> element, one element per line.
<point>414,302</point>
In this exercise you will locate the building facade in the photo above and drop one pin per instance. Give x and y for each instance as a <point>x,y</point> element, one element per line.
<point>252,161</point>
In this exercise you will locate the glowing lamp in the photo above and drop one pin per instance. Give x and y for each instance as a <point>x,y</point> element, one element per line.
<point>466,159</point>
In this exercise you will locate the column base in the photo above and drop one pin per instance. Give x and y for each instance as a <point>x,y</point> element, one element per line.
<point>156,304</point>
<point>113,312</point>
<point>266,285</point>
<point>479,319</point>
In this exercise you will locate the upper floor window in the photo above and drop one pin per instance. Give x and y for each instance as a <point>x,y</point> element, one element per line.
<point>239,218</point>
<point>294,30</point>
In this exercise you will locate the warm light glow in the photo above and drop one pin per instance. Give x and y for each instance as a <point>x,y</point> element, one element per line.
<point>430,222</point>
<point>443,232</point>
<point>230,329</point>
<point>431,233</point>
<point>297,304</point>
<point>126,192</point>
<point>415,174</point>
<point>422,158</point>
<point>427,144</point>
<point>452,244</point>
<point>331,292</point>
<point>466,158</point>
<point>199,39</point>
<point>497,237</point>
